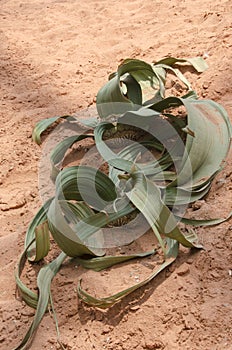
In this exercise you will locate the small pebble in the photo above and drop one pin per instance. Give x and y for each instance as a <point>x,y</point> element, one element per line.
<point>198,204</point>
<point>205,86</point>
<point>190,261</point>
<point>152,345</point>
<point>135,308</point>
<point>183,270</point>
<point>106,329</point>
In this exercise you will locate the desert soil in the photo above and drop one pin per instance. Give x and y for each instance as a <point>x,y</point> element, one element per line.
<point>55,55</point>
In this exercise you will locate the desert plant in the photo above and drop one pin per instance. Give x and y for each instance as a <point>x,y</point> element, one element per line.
<point>190,138</point>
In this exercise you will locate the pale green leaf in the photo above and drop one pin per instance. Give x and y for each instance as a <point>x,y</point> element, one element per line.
<point>101,263</point>
<point>44,280</point>
<point>103,303</point>
<point>42,125</point>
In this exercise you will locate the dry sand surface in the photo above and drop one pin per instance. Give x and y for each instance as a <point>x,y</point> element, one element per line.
<point>54,56</point>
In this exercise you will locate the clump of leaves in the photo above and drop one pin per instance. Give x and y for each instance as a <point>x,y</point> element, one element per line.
<point>191,148</point>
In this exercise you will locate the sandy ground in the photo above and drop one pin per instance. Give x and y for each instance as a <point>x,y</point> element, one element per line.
<point>54,56</point>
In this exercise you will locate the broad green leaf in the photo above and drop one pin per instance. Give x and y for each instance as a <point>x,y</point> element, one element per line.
<point>39,219</point>
<point>30,297</point>
<point>58,153</point>
<point>177,72</point>
<point>66,236</point>
<point>144,75</point>
<point>204,222</point>
<point>143,82</point>
<point>205,151</point>
<point>85,183</point>
<point>174,196</point>
<point>101,263</point>
<point>198,63</point>
<point>146,197</point>
<point>113,99</point>
<point>84,235</point>
<point>211,143</point>
<point>131,89</point>
<point>77,237</point>
<point>103,303</point>
<point>89,225</point>
<point>44,280</point>
<point>42,239</point>
<point>42,125</point>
